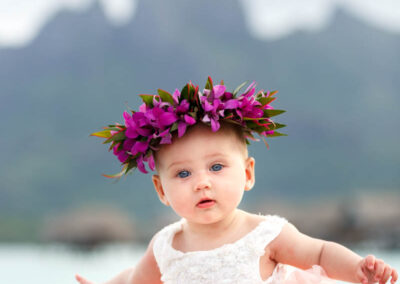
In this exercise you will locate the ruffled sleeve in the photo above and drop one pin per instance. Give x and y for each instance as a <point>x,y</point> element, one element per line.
<point>266,232</point>
<point>162,245</point>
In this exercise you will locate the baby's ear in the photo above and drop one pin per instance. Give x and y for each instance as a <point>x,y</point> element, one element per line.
<point>159,189</point>
<point>250,176</point>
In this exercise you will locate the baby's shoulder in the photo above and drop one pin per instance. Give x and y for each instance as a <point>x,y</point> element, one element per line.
<point>265,227</point>
<point>166,234</point>
<point>266,220</point>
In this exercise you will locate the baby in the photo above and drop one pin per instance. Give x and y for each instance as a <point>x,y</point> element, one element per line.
<point>202,172</point>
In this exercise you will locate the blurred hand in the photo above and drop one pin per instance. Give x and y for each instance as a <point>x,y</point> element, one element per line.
<point>372,270</point>
<point>82,280</point>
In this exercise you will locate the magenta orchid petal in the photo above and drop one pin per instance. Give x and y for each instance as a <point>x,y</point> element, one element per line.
<point>189,120</point>
<point>228,95</point>
<point>123,156</point>
<point>176,96</point>
<point>181,128</point>
<point>131,133</point>
<point>206,118</point>
<point>141,165</point>
<point>208,106</point>
<point>231,104</point>
<point>144,132</point>
<point>183,107</point>
<point>166,139</point>
<point>151,162</point>
<point>139,146</point>
<point>128,144</point>
<point>127,117</point>
<point>253,84</point>
<point>142,108</point>
<point>269,132</point>
<point>219,90</point>
<point>251,92</point>
<point>214,125</point>
<point>167,118</point>
<point>163,133</point>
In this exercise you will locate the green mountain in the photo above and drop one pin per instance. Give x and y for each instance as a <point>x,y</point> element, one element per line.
<point>339,87</point>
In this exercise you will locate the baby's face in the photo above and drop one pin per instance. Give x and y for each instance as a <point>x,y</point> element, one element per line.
<point>203,175</point>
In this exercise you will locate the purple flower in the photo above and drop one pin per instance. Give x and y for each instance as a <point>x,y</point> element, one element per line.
<point>248,106</point>
<point>136,125</point>
<point>121,154</point>
<point>140,163</point>
<point>140,146</point>
<point>161,115</point>
<point>213,106</point>
<point>181,110</point>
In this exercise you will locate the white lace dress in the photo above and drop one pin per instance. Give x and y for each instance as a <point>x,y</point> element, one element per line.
<point>232,263</point>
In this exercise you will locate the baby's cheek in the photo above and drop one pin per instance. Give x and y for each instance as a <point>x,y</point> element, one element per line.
<point>181,204</point>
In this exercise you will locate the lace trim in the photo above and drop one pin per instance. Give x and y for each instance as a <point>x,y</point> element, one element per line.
<point>266,231</point>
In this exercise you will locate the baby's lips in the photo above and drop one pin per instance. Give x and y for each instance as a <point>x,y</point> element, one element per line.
<point>205,203</point>
<point>204,200</point>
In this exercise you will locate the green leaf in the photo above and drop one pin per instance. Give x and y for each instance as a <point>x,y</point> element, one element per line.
<point>174,127</point>
<point>102,134</point>
<point>115,128</point>
<point>147,99</point>
<point>276,134</point>
<point>272,112</point>
<point>117,137</point>
<point>131,165</point>
<point>209,84</point>
<point>238,88</point>
<point>185,92</point>
<point>273,93</point>
<point>192,93</point>
<point>277,125</point>
<point>118,175</point>
<point>253,118</point>
<point>266,100</point>
<point>255,127</point>
<point>165,96</point>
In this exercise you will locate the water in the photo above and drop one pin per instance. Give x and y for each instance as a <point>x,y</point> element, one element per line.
<point>41,264</point>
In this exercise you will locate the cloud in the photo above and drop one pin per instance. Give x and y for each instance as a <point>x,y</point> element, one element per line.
<point>21,20</point>
<point>274,19</point>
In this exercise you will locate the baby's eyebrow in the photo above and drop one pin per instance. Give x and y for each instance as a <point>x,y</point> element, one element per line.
<point>206,156</point>
<point>176,163</point>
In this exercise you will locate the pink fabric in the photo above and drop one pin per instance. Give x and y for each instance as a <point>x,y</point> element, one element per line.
<point>314,275</point>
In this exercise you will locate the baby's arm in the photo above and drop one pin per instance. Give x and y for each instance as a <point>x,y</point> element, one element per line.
<point>296,249</point>
<point>146,271</point>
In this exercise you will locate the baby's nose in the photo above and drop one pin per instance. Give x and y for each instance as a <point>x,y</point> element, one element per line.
<point>203,182</point>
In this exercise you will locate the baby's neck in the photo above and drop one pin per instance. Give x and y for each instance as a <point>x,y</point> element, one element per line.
<point>215,230</point>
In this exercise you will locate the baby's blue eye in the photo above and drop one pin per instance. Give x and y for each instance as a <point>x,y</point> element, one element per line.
<point>183,174</point>
<point>216,167</point>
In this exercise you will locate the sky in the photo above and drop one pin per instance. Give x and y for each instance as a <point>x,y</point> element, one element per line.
<point>21,20</point>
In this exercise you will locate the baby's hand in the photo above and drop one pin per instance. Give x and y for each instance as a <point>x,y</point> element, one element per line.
<point>82,280</point>
<point>372,270</point>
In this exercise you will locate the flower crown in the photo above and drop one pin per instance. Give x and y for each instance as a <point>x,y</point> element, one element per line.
<point>162,115</point>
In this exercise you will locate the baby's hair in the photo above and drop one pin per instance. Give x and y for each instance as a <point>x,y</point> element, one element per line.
<point>235,129</point>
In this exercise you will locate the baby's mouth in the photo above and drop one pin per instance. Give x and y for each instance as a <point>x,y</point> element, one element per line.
<point>206,203</point>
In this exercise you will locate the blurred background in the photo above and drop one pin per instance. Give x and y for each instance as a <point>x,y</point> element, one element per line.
<point>70,67</point>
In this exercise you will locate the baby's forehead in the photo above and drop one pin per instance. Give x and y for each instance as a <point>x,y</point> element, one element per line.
<point>225,140</point>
